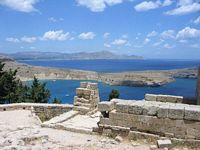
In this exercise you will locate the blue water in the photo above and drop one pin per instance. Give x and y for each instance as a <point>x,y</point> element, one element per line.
<point>65,89</point>
<point>116,65</point>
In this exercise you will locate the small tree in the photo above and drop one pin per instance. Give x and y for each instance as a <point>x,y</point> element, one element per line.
<point>114,94</point>
<point>39,93</point>
<point>9,86</point>
<point>56,101</point>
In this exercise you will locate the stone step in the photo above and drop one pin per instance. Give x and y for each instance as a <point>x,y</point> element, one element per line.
<point>73,129</point>
<point>81,109</point>
<point>82,104</point>
<point>61,118</point>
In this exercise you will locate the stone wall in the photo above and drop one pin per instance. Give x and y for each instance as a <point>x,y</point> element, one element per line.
<point>44,111</point>
<point>171,120</point>
<point>87,97</point>
<point>198,88</point>
<point>164,98</point>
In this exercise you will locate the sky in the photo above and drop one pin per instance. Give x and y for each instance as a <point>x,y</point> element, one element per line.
<point>152,28</point>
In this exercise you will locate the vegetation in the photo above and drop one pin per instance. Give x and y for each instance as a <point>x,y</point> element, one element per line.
<point>114,94</point>
<point>12,90</point>
<point>56,101</point>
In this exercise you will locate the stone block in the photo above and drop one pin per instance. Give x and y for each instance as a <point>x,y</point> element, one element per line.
<point>150,109</point>
<point>136,135</point>
<point>150,97</point>
<point>192,112</point>
<point>136,108</point>
<point>105,121</point>
<point>122,107</point>
<point>176,112</point>
<point>105,106</point>
<point>83,84</point>
<point>162,98</point>
<point>163,111</point>
<point>93,86</point>
<point>164,144</point>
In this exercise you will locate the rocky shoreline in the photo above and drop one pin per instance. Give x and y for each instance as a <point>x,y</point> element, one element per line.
<point>136,78</point>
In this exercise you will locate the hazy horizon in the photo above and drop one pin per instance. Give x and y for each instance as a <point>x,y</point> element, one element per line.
<point>160,29</point>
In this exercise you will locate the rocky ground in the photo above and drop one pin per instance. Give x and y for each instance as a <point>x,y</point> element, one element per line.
<point>21,130</point>
<point>142,78</point>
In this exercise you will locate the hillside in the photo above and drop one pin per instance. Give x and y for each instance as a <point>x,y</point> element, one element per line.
<point>70,56</point>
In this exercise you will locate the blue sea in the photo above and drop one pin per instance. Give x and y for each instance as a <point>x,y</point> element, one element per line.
<point>65,89</point>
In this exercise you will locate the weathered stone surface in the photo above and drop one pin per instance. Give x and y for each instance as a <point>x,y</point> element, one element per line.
<point>87,97</point>
<point>192,112</point>
<point>118,138</point>
<point>136,135</point>
<point>105,106</point>
<point>163,111</point>
<point>150,97</point>
<point>83,85</point>
<point>176,111</point>
<point>122,107</point>
<point>136,108</point>
<point>164,143</point>
<point>150,109</point>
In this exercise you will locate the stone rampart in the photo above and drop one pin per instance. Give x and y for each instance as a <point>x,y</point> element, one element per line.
<point>44,111</point>
<point>171,120</point>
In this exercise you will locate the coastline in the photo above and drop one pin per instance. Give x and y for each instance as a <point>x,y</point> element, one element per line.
<point>150,78</point>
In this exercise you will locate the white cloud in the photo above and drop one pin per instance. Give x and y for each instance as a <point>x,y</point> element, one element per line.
<point>87,36</point>
<point>168,34</point>
<point>106,35</point>
<point>28,39</point>
<point>107,45</point>
<point>185,2</point>
<point>197,20</point>
<point>185,7</point>
<point>56,35</point>
<point>52,19</point>
<point>152,34</point>
<point>167,2</point>
<point>168,46</point>
<point>119,42</point>
<point>13,40</point>
<point>188,32</point>
<point>20,5</point>
<point>147,40</point>
<point>158,43</point>
<point>147,5</point>
<point>98,5</point>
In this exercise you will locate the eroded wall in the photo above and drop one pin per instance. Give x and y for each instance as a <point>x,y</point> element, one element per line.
<point>44,111</point>
<point>172,120</point>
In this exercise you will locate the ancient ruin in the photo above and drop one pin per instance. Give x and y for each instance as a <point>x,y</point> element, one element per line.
<point>87,97</point>
<point>155,118</point>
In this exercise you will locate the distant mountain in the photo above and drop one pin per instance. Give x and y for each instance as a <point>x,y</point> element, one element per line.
<point>70,56</point>
<point>5,58</point>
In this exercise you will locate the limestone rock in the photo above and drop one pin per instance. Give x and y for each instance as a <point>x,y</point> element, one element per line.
<point>119,138</point>
<point>164,143</point>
